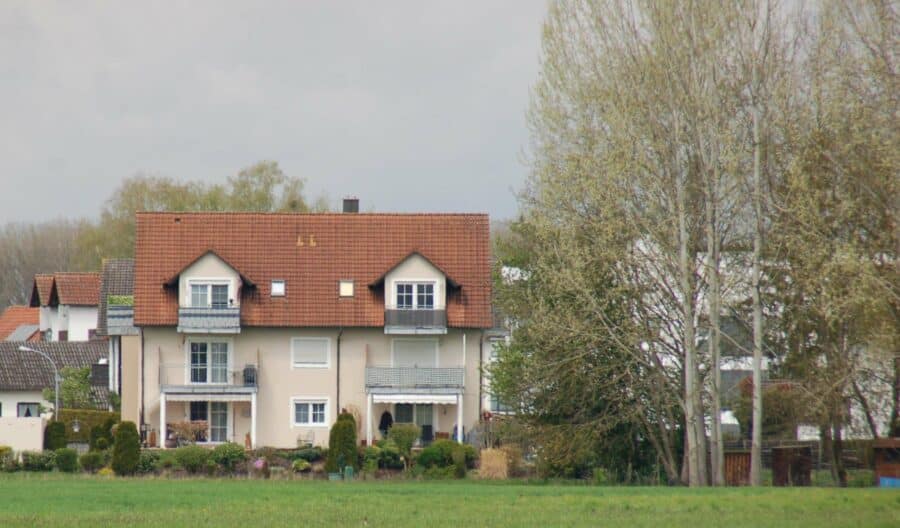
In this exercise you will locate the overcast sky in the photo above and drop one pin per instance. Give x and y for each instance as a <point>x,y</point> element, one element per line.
<point>412,106</point>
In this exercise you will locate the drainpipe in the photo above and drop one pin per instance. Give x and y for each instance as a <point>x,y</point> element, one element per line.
<point>141,368</point>
<point>480,381</point>
<point>338,397</point>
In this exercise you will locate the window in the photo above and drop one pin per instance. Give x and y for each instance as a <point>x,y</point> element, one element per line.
<point>310,412</point>
<point>209,362</point>
<point>63,335</point>
<point>310,352</point>
<point>1,409</point>
<point>277,288</point>
<point>415,296</point>
<point>498,406</point>
<point>209,295</point>
<point>346,288</point>
<point>28,410</point>
<point>215,414</point>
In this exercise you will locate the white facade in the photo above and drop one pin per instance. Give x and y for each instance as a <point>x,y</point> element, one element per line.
<point>78,321</point>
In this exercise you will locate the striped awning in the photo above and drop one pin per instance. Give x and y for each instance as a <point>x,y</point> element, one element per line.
<point>437,399</point>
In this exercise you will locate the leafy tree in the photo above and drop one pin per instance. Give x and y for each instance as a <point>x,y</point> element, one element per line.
<point>74,388</point>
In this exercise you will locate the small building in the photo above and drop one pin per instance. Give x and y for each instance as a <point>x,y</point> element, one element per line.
<point>20,323</point>
<point>68,305</point>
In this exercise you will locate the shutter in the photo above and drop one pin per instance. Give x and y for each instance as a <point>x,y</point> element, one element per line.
<point>415,353</point>
<point>309,352</point>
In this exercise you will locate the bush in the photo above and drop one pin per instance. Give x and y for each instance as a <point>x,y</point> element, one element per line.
<point>126,449</point>
<point>37,461</point>
<point>301,466</point>
<point>101,435</point>
<point>148,462</point>
<point>8,461</point>
<point>92,461</point>
<point>167,459</point>
<point>342,450</point>
<point>88,418</point>
<point>228,455</point>
<point>66,460</point>
<point>55,436</point>
<point>440,454</point>
<point>106,472</point>
<point>192,458</point>
<point>514,459</point>
<point>310,454</point>
<point>459,461</point>
<point>494,464</point>
<point>404,436</point>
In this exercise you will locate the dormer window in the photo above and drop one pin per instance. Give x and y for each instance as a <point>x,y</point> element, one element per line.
<point>209,295</point>
<point>415,296</point>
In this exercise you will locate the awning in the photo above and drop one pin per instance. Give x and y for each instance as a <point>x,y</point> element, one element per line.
<point>208,397</point>
<point>438,399</point>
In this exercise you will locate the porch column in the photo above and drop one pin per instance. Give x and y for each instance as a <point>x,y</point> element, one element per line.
<point>369,419</point>
<point>253,420</point>
<point>162,420</point>
<point>459,418</point>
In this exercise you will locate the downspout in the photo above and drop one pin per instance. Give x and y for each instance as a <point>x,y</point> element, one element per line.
<point>338,396</point>
<point>142,382</point>
<point>480,374</point>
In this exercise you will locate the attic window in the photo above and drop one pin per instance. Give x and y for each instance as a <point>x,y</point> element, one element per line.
<point>277,288</point>
<point>346,288</point>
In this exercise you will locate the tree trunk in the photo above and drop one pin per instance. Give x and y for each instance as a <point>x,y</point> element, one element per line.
<point>867,410</point>
<point>717,456</point>
<point>756,442</point>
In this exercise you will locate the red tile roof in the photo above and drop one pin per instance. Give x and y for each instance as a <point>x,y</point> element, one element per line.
<point>80,289</point>
<point>16,316</point>
<point>40,290</point>
<point>312,252</point>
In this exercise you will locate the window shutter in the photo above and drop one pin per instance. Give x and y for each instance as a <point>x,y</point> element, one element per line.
<point>306,352</point>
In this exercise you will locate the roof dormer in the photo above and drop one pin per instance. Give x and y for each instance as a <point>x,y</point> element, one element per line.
<point>209,295</point>
<point>415,296</point>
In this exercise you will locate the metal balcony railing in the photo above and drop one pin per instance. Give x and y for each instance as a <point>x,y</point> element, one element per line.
<point>412,321</point>
<point>209,320</point>
<point>120,320</point>
<point>415,377</point>
<point>207,377</point>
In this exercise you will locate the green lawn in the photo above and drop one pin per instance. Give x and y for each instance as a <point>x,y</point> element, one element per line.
<point>58,500</point>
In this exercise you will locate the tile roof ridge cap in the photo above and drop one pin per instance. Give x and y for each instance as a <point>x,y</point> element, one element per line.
<point>287,213</point>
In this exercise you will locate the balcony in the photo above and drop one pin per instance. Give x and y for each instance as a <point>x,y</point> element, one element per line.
<point>209,320</point>
<point>415,322</point>
<point>120,320</point>
<point>415,379</point>
<point>183,378</point>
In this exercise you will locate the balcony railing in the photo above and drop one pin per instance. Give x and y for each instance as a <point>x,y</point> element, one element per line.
<point>209,320</point>
<point>415,377</point>
<point>120,320</point>
<point>409,321</point>
<point>183,377</point>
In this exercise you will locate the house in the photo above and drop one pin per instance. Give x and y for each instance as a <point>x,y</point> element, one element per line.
<point>115,322</point>
<point>25,374</point>
<point>68,305</point>
<point>264,327</point>
<point>20,323</point>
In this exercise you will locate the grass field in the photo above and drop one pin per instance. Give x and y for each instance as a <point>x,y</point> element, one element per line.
<point>58,500</point>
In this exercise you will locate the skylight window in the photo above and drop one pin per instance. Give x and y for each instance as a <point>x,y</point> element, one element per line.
<point>346,288</point>
<point>277,288</point>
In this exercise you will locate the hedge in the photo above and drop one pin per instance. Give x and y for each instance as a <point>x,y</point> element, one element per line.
<point>87,419</point>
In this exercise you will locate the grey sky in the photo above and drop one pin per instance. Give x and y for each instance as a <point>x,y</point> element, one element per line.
<point>412,106</point>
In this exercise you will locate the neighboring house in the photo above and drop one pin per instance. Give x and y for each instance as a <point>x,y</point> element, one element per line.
<point>20,323</point>
<point>68,305</point>
<point>266,326</point>
<point>115,320</point>
<point>24,375</point>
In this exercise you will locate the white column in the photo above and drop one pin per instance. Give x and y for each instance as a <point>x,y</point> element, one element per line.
<point>459,418</point>
<point>369,419</point>
<point>253,420</point>
<point>162,420</point>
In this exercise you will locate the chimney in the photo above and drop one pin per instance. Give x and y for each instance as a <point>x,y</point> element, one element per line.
<point>351,205</point>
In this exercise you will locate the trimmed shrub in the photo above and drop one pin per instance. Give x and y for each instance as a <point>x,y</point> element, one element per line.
<point>301,466</point>
<point>228,455</point>
<point>192,458</point>
<point>310,454</point>
<point>126,449</point>
<point>101,435</point>
<point>440,454</point>
<point>37,461</point>
<point>55,436</point>
<point>404,436</point>
<point>8,461</point>
<point>342,450</point>
<point>88,418</point>
<point>148,462</point>
<point>66,460</point>
<point>92,461</point>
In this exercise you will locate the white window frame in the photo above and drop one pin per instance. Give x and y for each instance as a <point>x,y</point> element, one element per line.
<point>309,400</point>
<point>415,294</point>
<point>326,365</point>
<point>346,283</point>
<point>229,342</point>
<point>209,283</point>
<point>283,284</point>
<point>229,422</point>
<point>437,347</point>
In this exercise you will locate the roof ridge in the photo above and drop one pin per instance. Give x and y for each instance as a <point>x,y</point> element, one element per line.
<point>285,213</point>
